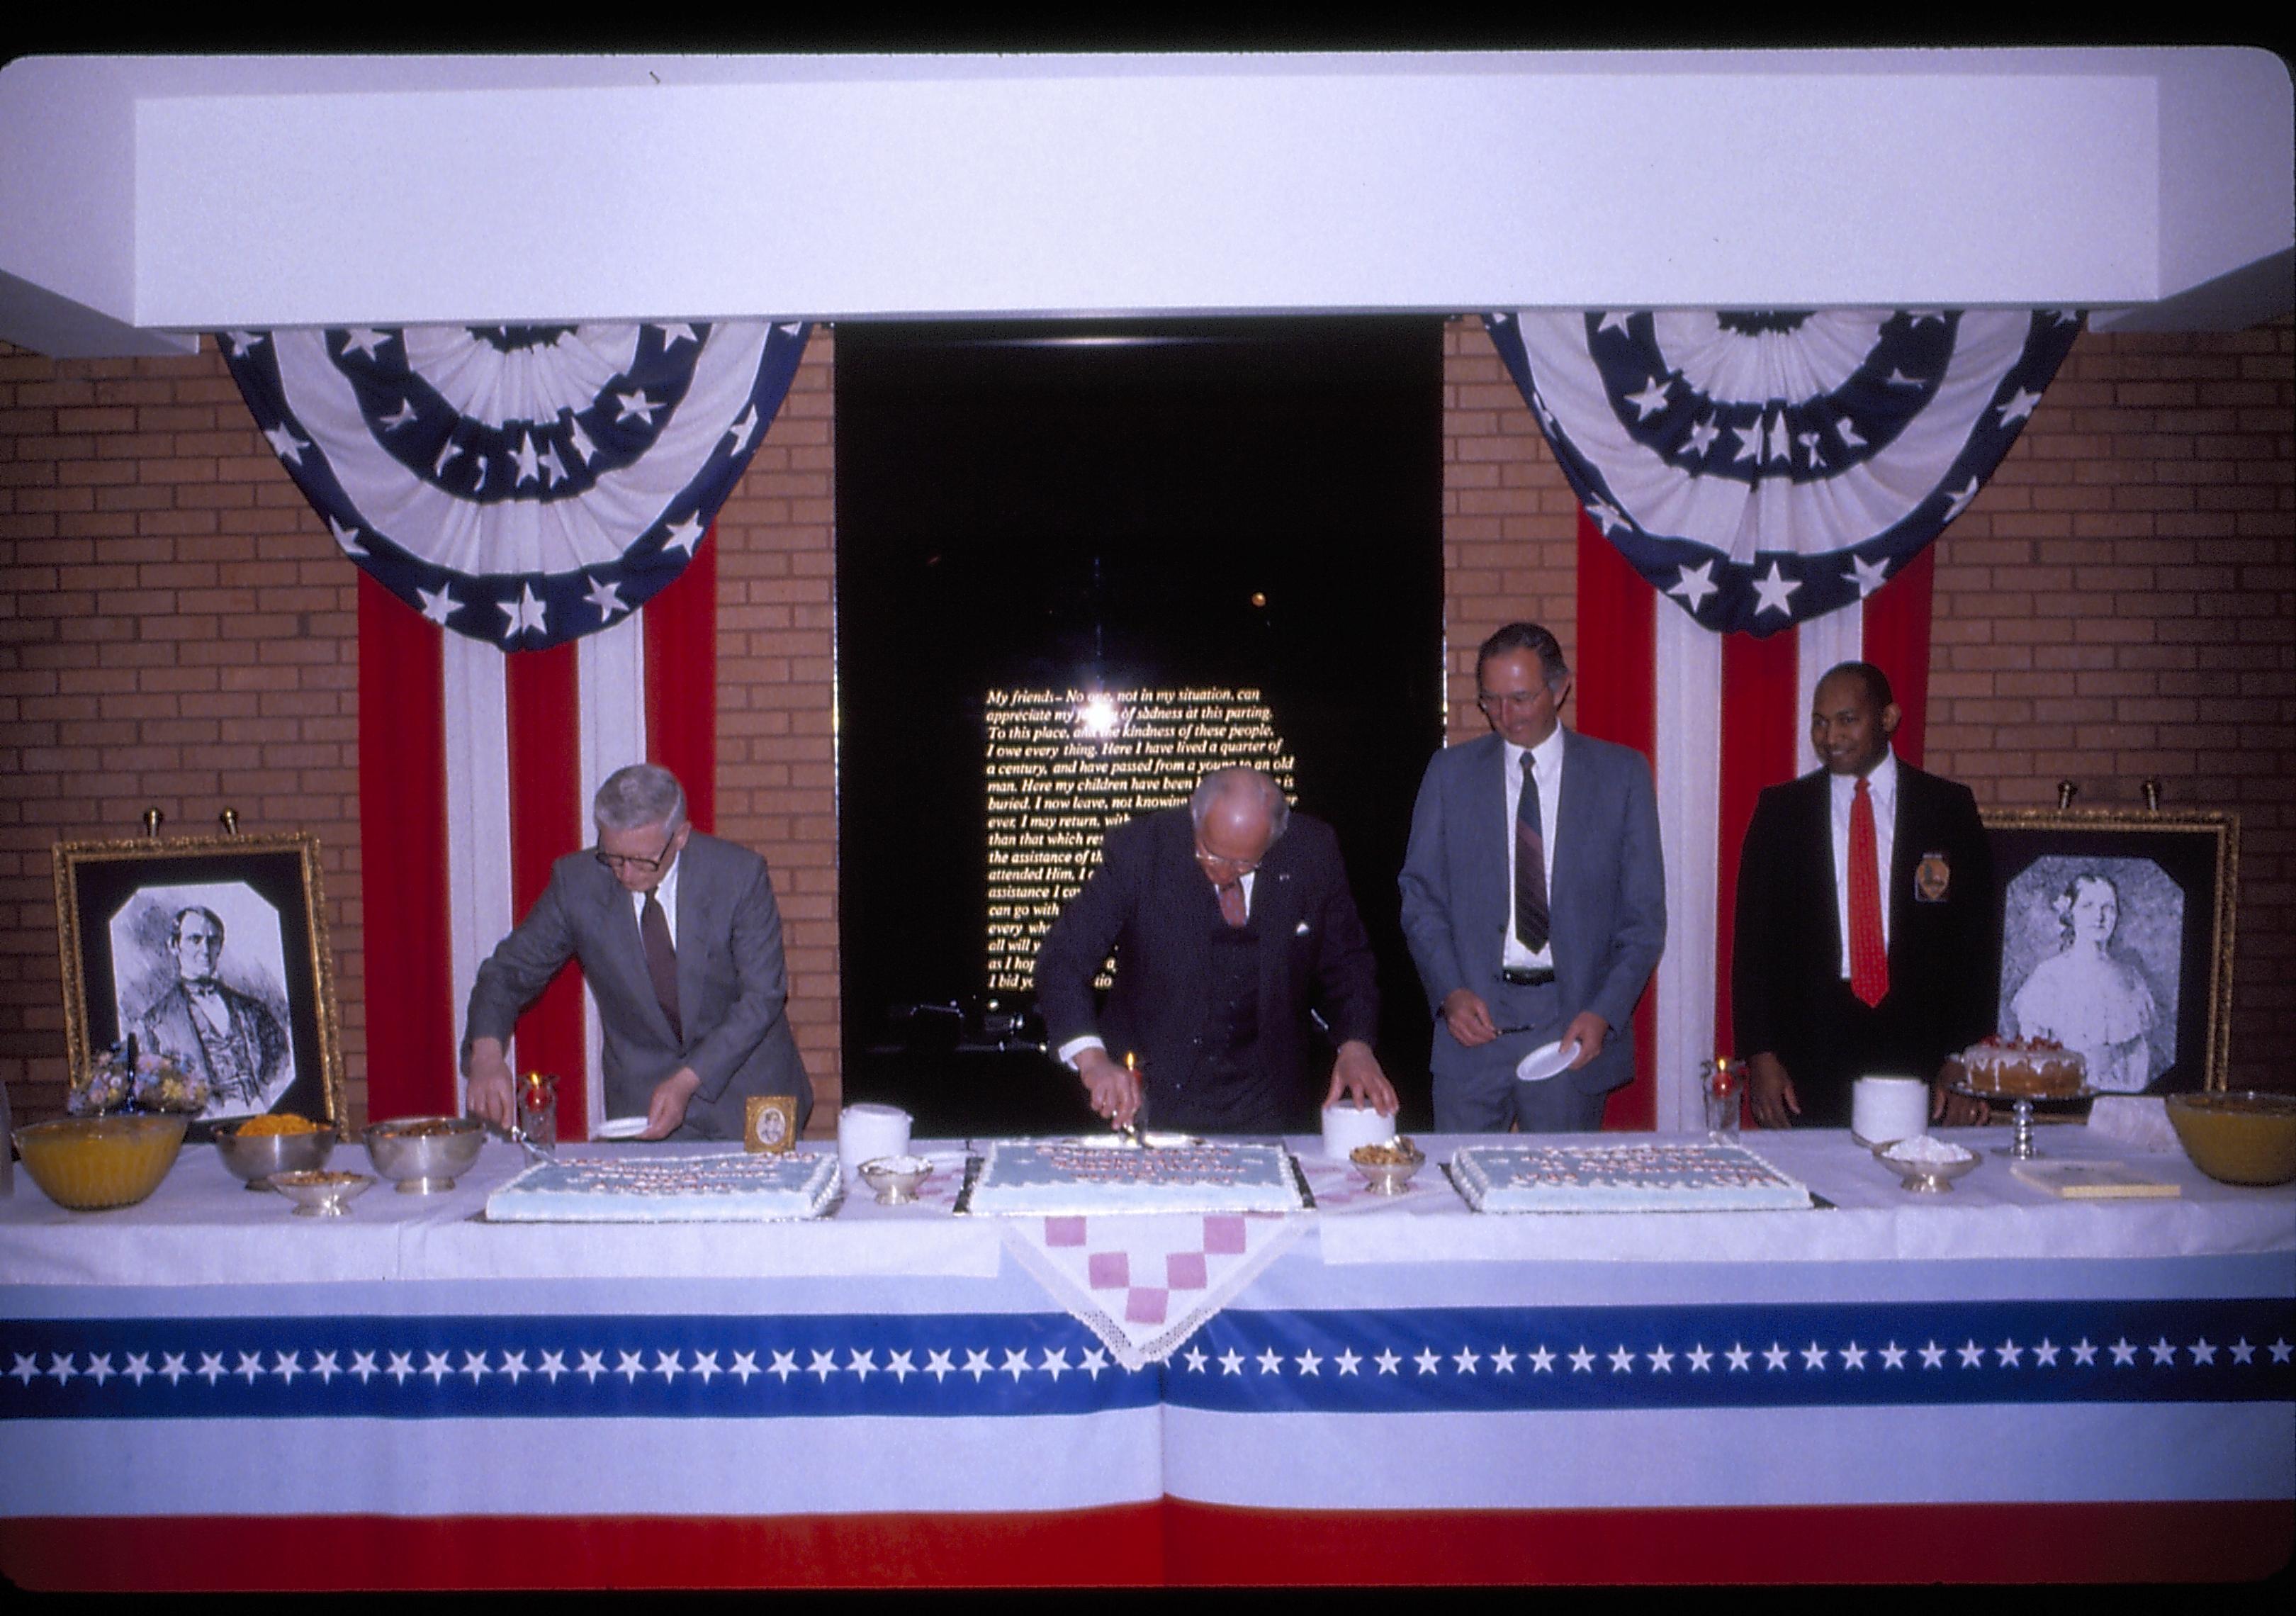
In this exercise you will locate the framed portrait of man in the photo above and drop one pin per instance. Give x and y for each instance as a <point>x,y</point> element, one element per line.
<point>2116,932</point>
<point>211,952</point>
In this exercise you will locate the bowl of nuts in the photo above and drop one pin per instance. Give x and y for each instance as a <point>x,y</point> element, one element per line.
<point>1388,1168</point>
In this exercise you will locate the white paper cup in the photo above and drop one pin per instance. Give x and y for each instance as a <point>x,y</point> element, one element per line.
<point>1886,1109</point>
<point>1345,1127</point>
<point>865,1132</point>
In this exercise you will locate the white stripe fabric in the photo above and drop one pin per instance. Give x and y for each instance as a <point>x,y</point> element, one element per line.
<point>1688,735</point>
<point>609,676</point>
<point>478,812</point>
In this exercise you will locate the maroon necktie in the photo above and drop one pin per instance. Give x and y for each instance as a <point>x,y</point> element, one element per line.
<point>1869,958</point>
<point>1530,917</point>
<point>661,960</point>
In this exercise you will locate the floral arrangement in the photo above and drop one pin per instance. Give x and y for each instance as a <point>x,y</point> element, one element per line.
<point>123,1078</point>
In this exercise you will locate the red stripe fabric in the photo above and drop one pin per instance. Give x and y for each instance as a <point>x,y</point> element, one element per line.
<point>547,820</point>
<point>1617,695</point>
<point>1759,694</point>
<point>1897,633</point>
<point>402,742</point>
<point>1171,1541</point>
<point>681,681</point>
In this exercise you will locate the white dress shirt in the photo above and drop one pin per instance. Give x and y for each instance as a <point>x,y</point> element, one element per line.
<point>1883,788</point>
<point>1547,767</point>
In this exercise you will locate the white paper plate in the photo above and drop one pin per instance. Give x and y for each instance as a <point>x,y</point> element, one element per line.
<point>1546,1061</point>
<point>620,1127</point>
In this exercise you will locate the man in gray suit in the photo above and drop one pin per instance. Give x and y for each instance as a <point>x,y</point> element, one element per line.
<point>681,944</point>
<point>1534,900</point>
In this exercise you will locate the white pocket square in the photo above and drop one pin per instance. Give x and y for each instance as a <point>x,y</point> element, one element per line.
<point>1301,929</point>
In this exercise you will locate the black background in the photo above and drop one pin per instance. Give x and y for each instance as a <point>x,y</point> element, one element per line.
<point>1066,505</point>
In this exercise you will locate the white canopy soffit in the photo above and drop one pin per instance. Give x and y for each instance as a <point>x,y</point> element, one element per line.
<point>145,199</point>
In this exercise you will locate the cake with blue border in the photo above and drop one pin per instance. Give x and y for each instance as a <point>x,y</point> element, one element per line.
<point>1647,1176</point>
<point>727,1188</point>
<point>1080,1177</point>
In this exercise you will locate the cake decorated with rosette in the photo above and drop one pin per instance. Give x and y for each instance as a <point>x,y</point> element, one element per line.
<point>725,1188</point>
<point>2024,1069</point>
<point>1078,1177</point>
<point>1653,1175</point>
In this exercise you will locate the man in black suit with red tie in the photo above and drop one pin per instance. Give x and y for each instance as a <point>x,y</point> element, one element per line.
<point>1232,923</point>
<point>1865,917</point>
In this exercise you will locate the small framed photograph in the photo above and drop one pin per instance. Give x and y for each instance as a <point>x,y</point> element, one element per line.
<point>212,952</point>
<point>771,1124</point>
<point>2116,940</point>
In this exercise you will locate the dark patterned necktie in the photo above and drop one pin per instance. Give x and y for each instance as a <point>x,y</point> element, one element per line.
<point>1530,865</point>
<point>661,962</point>
<point>1231,902</point>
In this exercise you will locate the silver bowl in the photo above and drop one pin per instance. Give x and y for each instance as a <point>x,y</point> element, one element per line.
<point>1927,1177</point>
<point>321,1194</point>
<point>896,1179</point>
<point>422,1154</point>
<point>256,1157</point>
<point>1386,1177</point>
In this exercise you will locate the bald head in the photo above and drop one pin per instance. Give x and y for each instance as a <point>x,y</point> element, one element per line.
<point>1239,814</point>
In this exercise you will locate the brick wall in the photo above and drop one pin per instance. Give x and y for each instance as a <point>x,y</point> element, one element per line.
<point>2119,603</point>
<point>176,628</point>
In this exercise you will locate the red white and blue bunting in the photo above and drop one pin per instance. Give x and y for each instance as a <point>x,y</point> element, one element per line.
<point>520,485</point>
<point>1762,468</point>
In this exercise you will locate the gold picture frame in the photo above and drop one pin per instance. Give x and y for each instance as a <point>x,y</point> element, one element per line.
<point>253,1009</point>
<point>2121,921</point>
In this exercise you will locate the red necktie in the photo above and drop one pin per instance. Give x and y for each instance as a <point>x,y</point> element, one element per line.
<point>1869,958</point>
<point>1231,901</point>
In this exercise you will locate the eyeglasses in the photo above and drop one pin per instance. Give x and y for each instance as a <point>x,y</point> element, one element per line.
<point>1494,700</point>
<point>1238,868</point>
<point>618,862</point>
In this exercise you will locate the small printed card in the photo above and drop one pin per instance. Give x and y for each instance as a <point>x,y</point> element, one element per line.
<point>2094,1180</point>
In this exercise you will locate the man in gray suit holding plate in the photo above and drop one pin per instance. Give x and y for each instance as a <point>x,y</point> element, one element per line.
<point>681,944</point>
<point>1534,900</point>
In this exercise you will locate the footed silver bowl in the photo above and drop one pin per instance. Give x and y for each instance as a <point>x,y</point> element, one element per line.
<point>1386,1177</point>
<point>255,1158</point>
<point>424,1154</point>
<point>896,1179</point>
<point>1927,1177</point>
<point>318,1194</point>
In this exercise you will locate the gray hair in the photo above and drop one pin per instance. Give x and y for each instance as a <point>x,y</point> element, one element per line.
<point>640,796</point>
<point>1224,782</point>
<point>1526,637</point>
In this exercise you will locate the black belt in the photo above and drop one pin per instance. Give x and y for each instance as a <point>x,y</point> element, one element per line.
<point>1514,978</point>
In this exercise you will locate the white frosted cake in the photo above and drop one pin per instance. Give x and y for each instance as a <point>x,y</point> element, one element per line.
<point>668,1189</point>
<point>1065,1177</point>
<point>1656,1176</point>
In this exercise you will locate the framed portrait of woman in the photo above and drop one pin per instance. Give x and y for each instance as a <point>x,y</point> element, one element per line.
<point>2116,936</point>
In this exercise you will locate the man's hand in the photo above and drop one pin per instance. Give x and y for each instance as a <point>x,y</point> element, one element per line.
<point>491,1093</point>
<point>1356,1074</point>
<point>1114,1090</point>
<point>667,1107</point>
<point>1588,1031</point>
<point>1468,1018</point>
<point>1953,1110</point>
<point>1772,1093</point>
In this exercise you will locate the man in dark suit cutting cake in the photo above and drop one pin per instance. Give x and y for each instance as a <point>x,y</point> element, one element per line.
<point>1233,932</point>
<point>1865,914</point>
<point>680,941</point>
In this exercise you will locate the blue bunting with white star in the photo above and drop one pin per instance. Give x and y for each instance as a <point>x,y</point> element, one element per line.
<point>524,484</point>
<point>1762,468</point>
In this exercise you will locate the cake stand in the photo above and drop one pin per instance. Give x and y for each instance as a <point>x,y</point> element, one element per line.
<point>2021,1146</point>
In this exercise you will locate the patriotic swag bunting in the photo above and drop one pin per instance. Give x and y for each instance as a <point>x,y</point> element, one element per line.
<point>519,485</point>
<point>1763,468</point>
